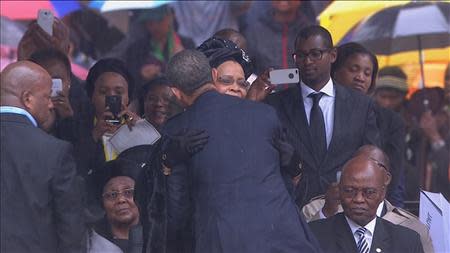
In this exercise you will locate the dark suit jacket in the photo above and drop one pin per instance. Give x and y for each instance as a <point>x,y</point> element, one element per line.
<point>354,126</point>
<point>392,132</point>
<point>335,236</point>
<point>40,197</point>
<point>239,200</point>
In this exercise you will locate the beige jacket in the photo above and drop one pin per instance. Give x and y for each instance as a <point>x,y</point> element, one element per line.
<point>396,215</point>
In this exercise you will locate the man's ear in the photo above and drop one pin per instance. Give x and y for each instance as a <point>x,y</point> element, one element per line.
<point>27,99</point>
<point>333,54</point>
<point>215,74</point>
<point>387,178</point>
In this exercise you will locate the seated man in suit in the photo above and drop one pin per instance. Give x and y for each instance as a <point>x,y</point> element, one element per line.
<point>233,186</point>
<point>41,208</point>
<point>326,122</point>
<point>362,188</point>
<point>329,204</point>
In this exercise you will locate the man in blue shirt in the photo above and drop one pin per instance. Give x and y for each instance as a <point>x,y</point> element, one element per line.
<point>41,207</point>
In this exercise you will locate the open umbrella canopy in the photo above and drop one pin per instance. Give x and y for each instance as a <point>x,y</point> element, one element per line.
<point>105,6</point>
<point>25,10</point>
<point>413,26</point>
<point>340,16</point>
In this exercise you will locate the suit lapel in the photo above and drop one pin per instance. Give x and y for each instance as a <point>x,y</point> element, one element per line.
<point>344,237</point>
<point>381,239</point>
<point>293,104</point>
<point>342,112</point>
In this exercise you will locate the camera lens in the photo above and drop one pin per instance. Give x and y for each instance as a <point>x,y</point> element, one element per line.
<point>291,76</point>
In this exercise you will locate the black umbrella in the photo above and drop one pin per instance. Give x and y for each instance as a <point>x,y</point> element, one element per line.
<point>413,26</point>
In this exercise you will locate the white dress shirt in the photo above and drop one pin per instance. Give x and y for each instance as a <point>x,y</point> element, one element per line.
<point>326,104</point>
<point>369,232</point>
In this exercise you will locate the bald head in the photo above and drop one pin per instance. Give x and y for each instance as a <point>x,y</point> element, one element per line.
<point>362,187</point>
<point>28,86</point>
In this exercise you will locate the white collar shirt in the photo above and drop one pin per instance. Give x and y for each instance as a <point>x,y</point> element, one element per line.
<point>369,232</point>
<point>326,104</point>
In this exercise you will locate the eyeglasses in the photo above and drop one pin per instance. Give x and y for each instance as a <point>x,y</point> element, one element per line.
<point>111,196</point>
<point>314,54</point>
<point>368,193</point>
<point>229,80</point>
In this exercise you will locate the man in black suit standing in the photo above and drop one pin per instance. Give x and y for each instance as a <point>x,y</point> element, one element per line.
<point>233,186</point>
<point>40,198</point>
<point>326,122</point>
<point>358,229</point>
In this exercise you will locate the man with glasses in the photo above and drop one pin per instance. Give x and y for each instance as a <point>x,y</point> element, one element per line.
<point>326,123</point>
<point>358,229</point>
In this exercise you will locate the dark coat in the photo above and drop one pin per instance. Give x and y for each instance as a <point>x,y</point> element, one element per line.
<point>354,126</point>
<point>41,208</point>
<point>392,131</point>
<point>233,187</point>
<point>335,236</point>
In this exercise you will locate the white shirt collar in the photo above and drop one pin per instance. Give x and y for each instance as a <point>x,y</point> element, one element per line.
<point>369,226</point>
<point>380,209</point>
<point>328,89</point>
<point>17,110</point>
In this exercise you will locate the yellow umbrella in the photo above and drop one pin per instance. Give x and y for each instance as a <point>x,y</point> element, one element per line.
<point>340,16</point>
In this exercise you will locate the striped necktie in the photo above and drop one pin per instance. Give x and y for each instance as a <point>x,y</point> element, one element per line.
<point>362,245</point>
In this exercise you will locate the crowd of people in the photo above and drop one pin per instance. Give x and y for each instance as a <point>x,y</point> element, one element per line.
<point>330,164</point>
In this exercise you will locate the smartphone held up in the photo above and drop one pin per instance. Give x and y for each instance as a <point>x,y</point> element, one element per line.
<point>114,105</point>
<point>284,76</point>
<point>45,20</point>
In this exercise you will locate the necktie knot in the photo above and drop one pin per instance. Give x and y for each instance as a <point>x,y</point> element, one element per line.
<point>360,231</point>
<point>316,97</point>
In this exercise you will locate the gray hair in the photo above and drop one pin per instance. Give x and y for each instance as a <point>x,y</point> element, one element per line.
<point>189,70</point>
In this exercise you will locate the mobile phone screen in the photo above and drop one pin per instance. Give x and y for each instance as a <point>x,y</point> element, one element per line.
<point>56,86</point>
<point>45,21</point>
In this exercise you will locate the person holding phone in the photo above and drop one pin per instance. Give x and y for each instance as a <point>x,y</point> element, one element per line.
<point>58,66</point>
<point>325,122</point>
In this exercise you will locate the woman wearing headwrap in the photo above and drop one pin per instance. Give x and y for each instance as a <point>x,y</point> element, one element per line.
<point>231,66</point>
<point>119,230</point>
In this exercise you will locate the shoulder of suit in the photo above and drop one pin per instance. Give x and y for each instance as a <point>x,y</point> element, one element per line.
<point>399,229</point>
<point>351,92</point>
<point>50,138</point>
<point>280,95</point>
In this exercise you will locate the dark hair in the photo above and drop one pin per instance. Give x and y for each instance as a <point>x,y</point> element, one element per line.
<point>314,30</point>
<point>108,65</point>
<point>51,54</point>
<point>147,87</point>
<point>232,35</point>
<point>347,50</point>
<point>392,71</point>
<point>227,33</point>
<point>189,70</point>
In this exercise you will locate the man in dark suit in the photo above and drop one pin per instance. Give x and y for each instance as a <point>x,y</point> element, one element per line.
<point>326,122</point>
<point>358,229</point>
<point>40,196</point>
<point>233,186</point>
